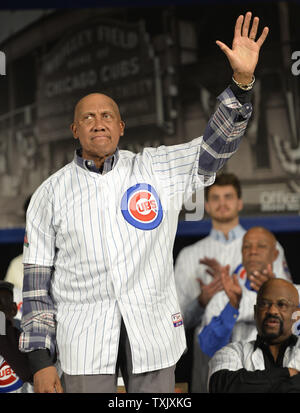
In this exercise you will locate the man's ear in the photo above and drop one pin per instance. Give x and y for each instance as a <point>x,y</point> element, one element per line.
<point>276,253</point>
<point>74,130</point>
<point>241,204</point>
<point>122,124</point>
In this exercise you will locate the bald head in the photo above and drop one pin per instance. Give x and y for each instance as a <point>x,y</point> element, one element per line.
<point>91,98</point>
<point>275,310</point>
<point>258,249</point>
<point>256,231</point>
<point>282,288</point>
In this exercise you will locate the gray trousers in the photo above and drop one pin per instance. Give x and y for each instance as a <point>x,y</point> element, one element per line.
<point>200,367</point>
<point>158,381</point>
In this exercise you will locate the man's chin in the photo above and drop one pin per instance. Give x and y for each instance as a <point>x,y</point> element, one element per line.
<point>271,338</point>
<point>224,219</point>
<point>272,335</point>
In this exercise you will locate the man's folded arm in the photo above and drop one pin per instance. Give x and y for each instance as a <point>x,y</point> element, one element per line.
<point>243,381</point>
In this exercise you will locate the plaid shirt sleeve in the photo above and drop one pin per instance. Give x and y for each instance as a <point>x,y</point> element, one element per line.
<point>223,132</point>
<point>38,318</point>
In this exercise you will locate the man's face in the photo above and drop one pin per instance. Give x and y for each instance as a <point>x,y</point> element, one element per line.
<point>258,250</point>
<point>273,312</point>
<point>98,126</point>
<point>223,204</point>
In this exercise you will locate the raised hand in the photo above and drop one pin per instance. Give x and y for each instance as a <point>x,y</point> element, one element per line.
<point>232,287</point>
<point>243,56</point>
<point>257,278</point>
<point>209,290</point>
<point>214,267</point>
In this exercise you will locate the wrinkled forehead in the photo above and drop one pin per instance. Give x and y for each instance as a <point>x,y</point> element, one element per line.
<point>95,102</point>
<point>259,235</point>
<point>278,290</point>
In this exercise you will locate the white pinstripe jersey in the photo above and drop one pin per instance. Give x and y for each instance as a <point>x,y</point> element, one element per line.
<point>241,355</point>
<point>188,268</point>
<point>106,268</point>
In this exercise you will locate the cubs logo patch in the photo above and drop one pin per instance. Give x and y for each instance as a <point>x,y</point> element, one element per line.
<point>240,272</point>
<point>177,320</point>
<point>242,277</point>
<point>141,207</point>
<point>9,381</point>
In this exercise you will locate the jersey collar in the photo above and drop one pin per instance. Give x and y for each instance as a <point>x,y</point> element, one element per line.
<point>89,165</point>
<point>235,233</point>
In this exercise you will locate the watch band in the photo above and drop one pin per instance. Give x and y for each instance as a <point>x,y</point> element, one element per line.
<point>249,86</point>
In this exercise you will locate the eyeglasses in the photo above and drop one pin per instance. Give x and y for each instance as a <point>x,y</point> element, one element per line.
<point>281,305</point>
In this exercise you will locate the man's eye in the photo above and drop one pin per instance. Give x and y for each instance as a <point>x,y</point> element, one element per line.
<point>282,305</point>
<point>263,304</point>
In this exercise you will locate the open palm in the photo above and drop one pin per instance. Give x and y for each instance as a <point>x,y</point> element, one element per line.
<point>243,56</point>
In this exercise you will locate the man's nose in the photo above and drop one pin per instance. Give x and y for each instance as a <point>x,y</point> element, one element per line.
<point>98,125</point>
<point>222,202</point>
<point>253,250</point>
<point>273,309</point>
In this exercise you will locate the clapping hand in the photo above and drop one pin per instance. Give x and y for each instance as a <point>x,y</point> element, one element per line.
<point>231,286</point>
<point>257,278</point>
<point>210,289</point>
<point>214,267</point>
